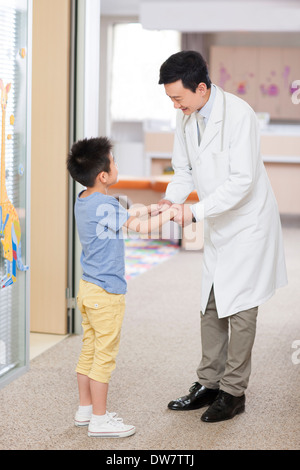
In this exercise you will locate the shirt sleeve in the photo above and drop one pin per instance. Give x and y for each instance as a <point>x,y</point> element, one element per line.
<point>112,215</point>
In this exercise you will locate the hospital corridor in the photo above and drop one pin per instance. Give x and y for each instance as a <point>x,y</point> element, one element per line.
<point>222,151</point>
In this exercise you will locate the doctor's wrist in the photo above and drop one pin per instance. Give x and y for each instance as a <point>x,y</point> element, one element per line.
<point>197,211</point>
<point>194,220</point>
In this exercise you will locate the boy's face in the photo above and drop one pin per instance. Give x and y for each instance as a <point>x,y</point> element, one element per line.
<point>113,174</point>
<point>185,99</point>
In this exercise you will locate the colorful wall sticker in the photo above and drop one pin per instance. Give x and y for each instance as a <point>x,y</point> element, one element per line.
<point>10,229</point>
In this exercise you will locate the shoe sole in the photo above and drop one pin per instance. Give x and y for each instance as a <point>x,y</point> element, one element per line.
<point>130,432</point>
<point>193,407</point>
<point>237,412</point>
<point>81,423</point>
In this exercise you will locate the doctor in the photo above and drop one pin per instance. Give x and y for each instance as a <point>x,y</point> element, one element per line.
<point>217,151</point>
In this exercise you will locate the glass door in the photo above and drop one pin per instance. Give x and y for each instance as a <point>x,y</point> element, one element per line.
<point>15,78</point>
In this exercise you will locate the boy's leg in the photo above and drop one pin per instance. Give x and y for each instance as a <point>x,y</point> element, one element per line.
<point>84,364</point>
<point>87,353</point>
<point>86,357</point>
<point>106,320</point>
<point>99,392</point>
<point>85,409</point>
<point>93,393</point>
<point>85,397</point>
<point>105,314</point>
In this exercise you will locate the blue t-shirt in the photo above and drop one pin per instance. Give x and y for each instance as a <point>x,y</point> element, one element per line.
<point>99,220</point>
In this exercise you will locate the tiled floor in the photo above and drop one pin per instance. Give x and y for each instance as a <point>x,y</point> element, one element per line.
<point>41,342</point>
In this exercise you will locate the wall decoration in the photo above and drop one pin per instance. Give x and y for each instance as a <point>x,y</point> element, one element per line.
<point>10,230</point>
<point>241,88</point>
<point>263,76</point>
<point>270,90</point>
<point>224,76</point>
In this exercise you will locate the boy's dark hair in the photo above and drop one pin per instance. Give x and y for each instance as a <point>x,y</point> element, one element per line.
<point>187,66</point>
<point>87,158</point>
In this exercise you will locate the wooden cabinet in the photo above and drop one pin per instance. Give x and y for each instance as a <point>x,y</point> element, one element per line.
<point>262,76</point>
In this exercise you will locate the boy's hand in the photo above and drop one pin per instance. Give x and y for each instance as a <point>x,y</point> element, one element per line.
<point>153,209</point>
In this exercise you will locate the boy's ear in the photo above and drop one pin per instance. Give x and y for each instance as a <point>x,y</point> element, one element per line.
<point>102,177</point>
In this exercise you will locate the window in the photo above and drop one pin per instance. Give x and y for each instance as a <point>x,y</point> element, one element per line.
<point>13,122</point>
<point>137,57</point>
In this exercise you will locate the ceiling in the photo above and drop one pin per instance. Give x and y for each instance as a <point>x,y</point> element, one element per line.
<point>212,15</point>
<point>120,7</point>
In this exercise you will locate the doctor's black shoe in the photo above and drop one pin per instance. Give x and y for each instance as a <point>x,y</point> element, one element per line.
<point>224,407</point>
<point>198,397</point>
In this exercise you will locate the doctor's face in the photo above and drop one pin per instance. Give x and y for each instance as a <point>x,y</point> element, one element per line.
<point>185,99</point>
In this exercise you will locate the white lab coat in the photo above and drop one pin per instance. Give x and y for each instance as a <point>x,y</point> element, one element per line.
<point>243,249</point>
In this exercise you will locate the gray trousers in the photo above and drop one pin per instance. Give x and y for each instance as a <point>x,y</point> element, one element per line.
<point>226,349</point>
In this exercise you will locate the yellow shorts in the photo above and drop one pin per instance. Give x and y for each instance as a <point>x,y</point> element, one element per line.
<point>102,317</point>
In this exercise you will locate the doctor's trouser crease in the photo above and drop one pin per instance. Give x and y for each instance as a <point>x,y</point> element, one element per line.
<point>102,318</point>
<point>226,358</point>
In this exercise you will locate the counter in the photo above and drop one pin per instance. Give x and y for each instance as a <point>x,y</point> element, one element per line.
<point>157,185</point>
<point>149,191</point>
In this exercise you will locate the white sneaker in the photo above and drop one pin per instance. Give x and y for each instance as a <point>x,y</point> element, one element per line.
<point>82,419</point>
<point>110,427</point>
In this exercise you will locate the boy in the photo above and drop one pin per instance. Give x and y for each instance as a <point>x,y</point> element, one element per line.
<point>101,300</point>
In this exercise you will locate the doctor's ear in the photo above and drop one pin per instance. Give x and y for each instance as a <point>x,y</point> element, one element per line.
<point>202,88</point>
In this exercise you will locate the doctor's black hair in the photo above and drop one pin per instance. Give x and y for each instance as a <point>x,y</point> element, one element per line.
<point>187,66</point>
<point>87,158</point>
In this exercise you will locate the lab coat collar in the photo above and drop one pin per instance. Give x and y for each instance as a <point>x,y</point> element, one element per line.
<point>213,126</point>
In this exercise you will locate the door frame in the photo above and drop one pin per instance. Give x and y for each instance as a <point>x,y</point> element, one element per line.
<point>84,122</point>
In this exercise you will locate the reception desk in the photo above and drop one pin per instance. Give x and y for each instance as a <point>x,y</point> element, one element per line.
<point>280,149</point>
<point>150,189</point>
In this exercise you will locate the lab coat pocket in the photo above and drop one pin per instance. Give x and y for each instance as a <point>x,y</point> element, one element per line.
<point>220,165</point>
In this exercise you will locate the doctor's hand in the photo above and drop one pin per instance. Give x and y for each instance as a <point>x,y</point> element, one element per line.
<point>162,206</point>
<point>184,215</point>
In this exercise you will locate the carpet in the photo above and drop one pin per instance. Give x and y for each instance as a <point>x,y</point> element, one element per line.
<point>159,353</point>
